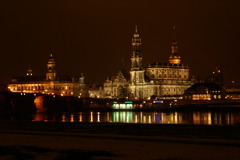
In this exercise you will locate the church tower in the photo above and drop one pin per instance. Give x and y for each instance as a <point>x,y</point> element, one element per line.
<point>174,57</point>
<point>51,73</point>
<point>136,57</point>
<point>137,72</point>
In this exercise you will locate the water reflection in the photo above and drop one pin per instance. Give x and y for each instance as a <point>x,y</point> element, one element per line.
<point>206,118</point>
<point>123,117</point>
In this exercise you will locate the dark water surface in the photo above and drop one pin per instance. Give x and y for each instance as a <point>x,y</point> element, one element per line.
<point>144,117</point>
<point>206,118</point>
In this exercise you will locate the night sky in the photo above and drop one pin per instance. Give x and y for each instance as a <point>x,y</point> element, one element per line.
<point>92,36</point>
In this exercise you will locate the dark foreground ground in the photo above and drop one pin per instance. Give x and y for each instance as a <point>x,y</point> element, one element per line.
<point>74,141</point>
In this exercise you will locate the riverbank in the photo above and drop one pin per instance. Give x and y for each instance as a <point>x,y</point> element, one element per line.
<point>55,141</point>
<point>133,129</point>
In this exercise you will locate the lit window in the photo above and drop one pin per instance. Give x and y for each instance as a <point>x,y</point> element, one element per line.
<point>214,96</point>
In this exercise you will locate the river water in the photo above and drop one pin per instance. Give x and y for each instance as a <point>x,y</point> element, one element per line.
<point>205,118</point>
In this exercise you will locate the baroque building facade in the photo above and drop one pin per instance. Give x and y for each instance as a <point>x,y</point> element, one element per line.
<point>50,83</point>
<point>160,80</point>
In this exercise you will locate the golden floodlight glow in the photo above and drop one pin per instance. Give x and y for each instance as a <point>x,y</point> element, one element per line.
<point>175,61</point>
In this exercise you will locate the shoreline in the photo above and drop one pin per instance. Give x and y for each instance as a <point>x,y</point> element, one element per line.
<point>138,129</point>
<point>52,141</point>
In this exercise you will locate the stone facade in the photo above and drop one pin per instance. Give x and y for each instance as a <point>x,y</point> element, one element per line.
<point>50,84</point>
<point>168,80</point>
<point>204,91</point>
<point>116,87</point>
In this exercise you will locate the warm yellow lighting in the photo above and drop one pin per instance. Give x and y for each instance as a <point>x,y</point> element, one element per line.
<point>63,118</point>
<point>98,116</point>
<point>175,61</point>
<point>201,97</point>
<point>71,118</point>
<point>91,116</point>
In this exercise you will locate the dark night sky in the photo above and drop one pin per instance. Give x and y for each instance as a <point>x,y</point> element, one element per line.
<point>92,36</point>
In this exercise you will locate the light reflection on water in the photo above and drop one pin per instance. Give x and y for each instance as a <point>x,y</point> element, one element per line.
<point>206,118</point>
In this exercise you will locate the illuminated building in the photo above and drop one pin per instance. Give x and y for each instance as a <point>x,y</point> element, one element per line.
<point>232,91</point>
<point>116,87</point>
<point>161,80</point>
<point>95,91</point>
<point>50,84</point>
<point>204,91</point>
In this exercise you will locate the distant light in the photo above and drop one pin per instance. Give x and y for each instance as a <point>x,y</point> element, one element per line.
<point>128,102</point>
<point>157,101</point>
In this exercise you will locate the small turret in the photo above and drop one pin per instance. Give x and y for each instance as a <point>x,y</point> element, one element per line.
<point>81,78</point>
<point>29,71</point>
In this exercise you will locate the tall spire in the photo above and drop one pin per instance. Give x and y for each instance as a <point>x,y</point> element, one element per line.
<point>136,43</point>
<point>137,72</point>
<point>174,33</point>
<point>174,57</point>
<point>136,30</point>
